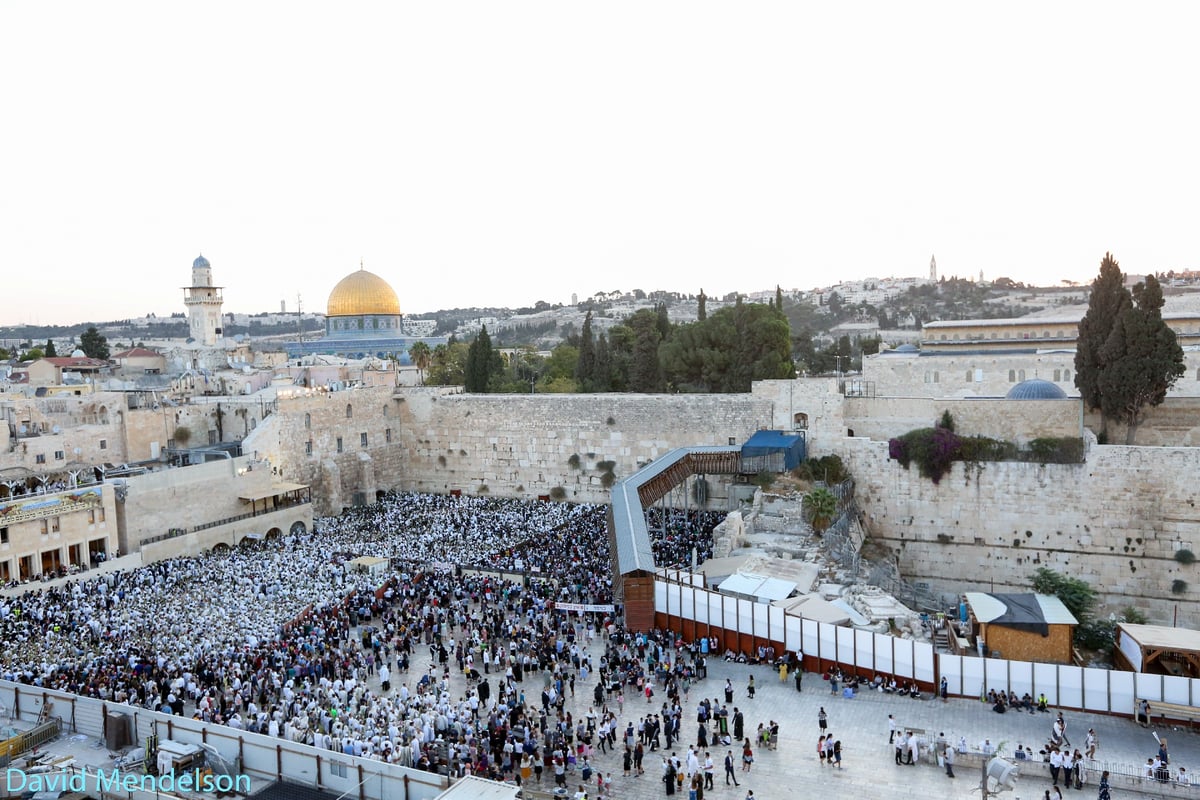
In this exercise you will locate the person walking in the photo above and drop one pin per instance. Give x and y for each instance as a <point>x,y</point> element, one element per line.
<point>891,728</point>
<point>1104,795</point>
<point>730,775</point>
<point>837,753</point>
<point>822,719</point>
<point>949,759</point>
<point>799,677</point>
<point>747,756</point>
<point>750,688</point>
<point>708,771</point>
<point>1090,744</point>
<point>944,690</point>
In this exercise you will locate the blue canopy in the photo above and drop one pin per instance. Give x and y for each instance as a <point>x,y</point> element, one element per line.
<point>765,444</point>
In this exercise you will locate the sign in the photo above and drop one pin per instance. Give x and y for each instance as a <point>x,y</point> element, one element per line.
<point>603,607</point>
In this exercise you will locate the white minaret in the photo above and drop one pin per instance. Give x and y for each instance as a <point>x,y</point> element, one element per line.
<point>933,269</point>
<point>203,301</point>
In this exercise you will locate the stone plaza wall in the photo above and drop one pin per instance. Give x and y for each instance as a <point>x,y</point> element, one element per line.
<point>525,445</point>
<point>1115,521</point>
<point>1019,421</point>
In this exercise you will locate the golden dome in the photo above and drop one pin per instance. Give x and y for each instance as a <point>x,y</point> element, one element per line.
<point>360,293</point>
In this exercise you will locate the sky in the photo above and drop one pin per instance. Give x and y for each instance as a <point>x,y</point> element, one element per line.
<point>501,153</point>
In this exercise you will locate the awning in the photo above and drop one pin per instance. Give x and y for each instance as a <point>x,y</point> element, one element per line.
<point>767,589</point>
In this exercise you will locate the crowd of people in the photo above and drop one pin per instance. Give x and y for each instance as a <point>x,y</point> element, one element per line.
<point>284,638</point>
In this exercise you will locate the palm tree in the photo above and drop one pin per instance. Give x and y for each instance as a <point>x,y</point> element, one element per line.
<point>821,507</point>
<point>422,357</point>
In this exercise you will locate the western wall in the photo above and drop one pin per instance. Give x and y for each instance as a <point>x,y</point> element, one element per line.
<point>1116,520</point>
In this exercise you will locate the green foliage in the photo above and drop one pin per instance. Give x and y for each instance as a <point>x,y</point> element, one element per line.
<point>976,449</point>
<point>1185,556</point>
<point>448,364</point>
<point>484,368</point>
<point>93,343</point>
<point>51,351</point>
<point>764,480</point>
<point>946,421</point>
<point>1141,359</point>
<point>33,354</point>
<point>421,357</point>
<point>729,350</point>
<point>820,507</point>
<point>1057,450</point>
<point>933,450</point>
<point>1133,616</point>
<point>827,469</point>
<point>1078,596</point>
<point>1101,634</point>
<point>1179,586</point>
<point>585,365</point>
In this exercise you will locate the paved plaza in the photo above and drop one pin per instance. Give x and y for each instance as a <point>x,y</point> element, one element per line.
<point>868,765</point>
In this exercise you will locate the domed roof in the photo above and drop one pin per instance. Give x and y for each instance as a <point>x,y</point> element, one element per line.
<point>360,293</point>
<point>907,348</point>
<point>200,261</point>
<point>1036,389</point>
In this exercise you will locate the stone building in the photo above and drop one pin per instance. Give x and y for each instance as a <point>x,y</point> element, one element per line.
<point>203,301</point>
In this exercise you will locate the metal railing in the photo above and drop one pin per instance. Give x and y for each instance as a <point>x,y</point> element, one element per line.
<point>176,532</point>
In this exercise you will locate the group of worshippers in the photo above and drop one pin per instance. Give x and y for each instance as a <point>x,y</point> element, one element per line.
<point>320,654</point>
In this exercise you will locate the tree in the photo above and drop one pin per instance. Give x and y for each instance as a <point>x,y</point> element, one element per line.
<point>1078,596</point>
<point>484,365</point>
<point>1142,359</point>
<point>602,377</point>
<point>93,343</point>
<point>645,375</point>
<point>1108,301</point>
<point>585,368</point>
<point>32,354</point>
<point>421,357</point>
<point>50,351</point>
<point>702,307</point>
<point>820,506</point>
<point>448,364</point>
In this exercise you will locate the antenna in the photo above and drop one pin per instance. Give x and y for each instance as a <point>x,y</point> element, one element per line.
<point>299,318</point>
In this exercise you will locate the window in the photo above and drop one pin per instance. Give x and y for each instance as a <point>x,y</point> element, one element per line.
<point>1066,374</point>
<point>362,440</point>
<point>968,376</point>
<point>308,422</point>
<point>979,376</point>
<point>339,444</point>
<point>4,535</point>
<point>104,444</point>
<point>92,516</point>
<point>349,411</point>
<point>308,448</point>
<point>40,458</point>
<point>387,435</point>
<point>935,376</point>
<point>100,514</point>
<point>1012,376</point>
<point>45,527</point>
<point>1020,375</point>
<point>338,770</point>
<point>54,524</point>
<point>59,455</point>
<point>1057,375</point>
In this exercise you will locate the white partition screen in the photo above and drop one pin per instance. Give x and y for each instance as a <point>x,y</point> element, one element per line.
<point>951,667</point>
<point>923,662</point>
<point>1020,678</point>
<point>795,635</point>
<point>775,620</point>
<point>1177,690</point>
<point>995,674</point>
<point>1095,689</point>
<point>1070,687</point>
<point>884,663</point>
<point>864,652</point>
<point>972,676</point>
<point>1120,692</point>
<point>1045,681</point>
<point>902,655</point>
<point>828,634</point>
<point>1148,687</point>
<point>845,645</point>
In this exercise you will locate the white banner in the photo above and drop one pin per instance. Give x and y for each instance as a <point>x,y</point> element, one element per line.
<point>609,608</point>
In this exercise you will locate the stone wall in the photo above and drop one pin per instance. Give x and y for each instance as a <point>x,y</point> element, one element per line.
<point>881,418</point>
<point>1115,521</point>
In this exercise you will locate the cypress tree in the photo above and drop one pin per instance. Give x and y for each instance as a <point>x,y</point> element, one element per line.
<point>1108,301</point>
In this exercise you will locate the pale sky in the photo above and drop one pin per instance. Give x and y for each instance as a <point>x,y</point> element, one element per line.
<point>500,153</point>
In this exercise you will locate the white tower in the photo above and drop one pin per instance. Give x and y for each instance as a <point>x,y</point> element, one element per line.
<point>203,301</point>
<point>933,269</point>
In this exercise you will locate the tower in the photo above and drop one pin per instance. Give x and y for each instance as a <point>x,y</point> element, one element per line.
<point>203,301</point>
<point>933,269</point>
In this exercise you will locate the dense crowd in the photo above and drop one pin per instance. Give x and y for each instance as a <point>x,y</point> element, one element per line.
<point>283,638</point>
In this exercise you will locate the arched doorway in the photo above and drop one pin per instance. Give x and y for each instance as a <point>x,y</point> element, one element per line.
<point>298,528</point>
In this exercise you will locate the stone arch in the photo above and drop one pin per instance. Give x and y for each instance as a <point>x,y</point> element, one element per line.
<point>220,548</point>
<point>800,421</point>
<point>298,528</point>
<point>349,411</point>
<point>274,533</point>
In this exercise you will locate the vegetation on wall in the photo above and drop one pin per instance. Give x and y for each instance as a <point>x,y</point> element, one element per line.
<point>820,507</point>
<point>934,450</point>
<point>830,470</point>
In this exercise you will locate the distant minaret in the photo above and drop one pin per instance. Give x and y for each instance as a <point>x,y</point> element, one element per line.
<point>203,301</point>
<point>933,269</point>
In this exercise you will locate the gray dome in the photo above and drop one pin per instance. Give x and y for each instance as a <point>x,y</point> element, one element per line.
<point>1036,389</point>
<point>907,348</point>
<point>200,261</point>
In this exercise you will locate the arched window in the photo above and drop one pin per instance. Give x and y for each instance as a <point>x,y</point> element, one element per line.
<point>1066,374</point>
<point>935,376</point>
<point>1012,376</point>
<point>307,422</point>
<point>349,411</point>
<point>1020,375</point>
<point>1057,375</point>
<point>969,374</point>
<point>800,421</point>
